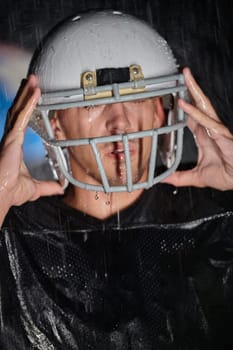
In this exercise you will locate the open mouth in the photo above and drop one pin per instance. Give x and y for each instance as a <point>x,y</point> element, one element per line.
<point>118,152</point>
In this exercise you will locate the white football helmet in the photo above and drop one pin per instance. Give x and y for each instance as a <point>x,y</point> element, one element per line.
<point>103,58</point>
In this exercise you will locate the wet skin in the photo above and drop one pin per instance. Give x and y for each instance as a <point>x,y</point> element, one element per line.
<point>108,120</point>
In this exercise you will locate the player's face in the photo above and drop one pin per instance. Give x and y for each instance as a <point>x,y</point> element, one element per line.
<point>108,120</point>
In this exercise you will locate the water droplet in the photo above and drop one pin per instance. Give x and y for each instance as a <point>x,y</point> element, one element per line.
<point>175,191</point>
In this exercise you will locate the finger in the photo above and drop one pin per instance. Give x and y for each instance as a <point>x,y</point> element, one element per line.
<point>192,125</point>
<point>23,118</point>
<point>25,91</point>
<point>17,131</point>
<point>27,85</point>
<point>214,127</point>
<point>199,98</point>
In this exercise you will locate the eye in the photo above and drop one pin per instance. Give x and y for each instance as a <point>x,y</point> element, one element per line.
<point>94,107</point>
<point>88,108</point>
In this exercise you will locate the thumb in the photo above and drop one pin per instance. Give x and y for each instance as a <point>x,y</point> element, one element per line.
<point>47,188</point>
<point>184,178</point>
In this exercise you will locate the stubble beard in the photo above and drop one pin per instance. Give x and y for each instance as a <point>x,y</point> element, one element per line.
<point>118,176</point>
<point>116,172</point>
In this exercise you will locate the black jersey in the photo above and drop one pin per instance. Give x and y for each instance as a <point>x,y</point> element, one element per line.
<point>158,275</point>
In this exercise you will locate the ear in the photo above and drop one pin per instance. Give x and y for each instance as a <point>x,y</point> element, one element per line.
<point>159,114</point>
<point>56,126</point>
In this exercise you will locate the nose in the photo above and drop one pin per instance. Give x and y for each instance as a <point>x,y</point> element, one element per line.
<point>117,121</point>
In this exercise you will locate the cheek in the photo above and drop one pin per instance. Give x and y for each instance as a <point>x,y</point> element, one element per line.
<point>149,121</point>
<point>149,117</point>
<point>157,121</point>
<point>70,126</point>
<point>88,124</point>
<point>94,114</point>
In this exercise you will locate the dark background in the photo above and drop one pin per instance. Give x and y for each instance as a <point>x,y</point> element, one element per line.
<point>198,31</point>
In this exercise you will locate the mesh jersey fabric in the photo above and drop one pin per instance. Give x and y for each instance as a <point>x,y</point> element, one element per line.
<point>159,275</point>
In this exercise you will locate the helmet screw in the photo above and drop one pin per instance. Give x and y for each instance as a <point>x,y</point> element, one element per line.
<point>38,117</point>
<point>89,77</point>
<point>135,71</point>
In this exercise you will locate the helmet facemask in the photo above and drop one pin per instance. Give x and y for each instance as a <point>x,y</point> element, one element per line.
<point>110,86</point>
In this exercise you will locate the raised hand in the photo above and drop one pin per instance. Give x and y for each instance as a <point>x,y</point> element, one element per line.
<point>16,184</point>
<point>214,167</point>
